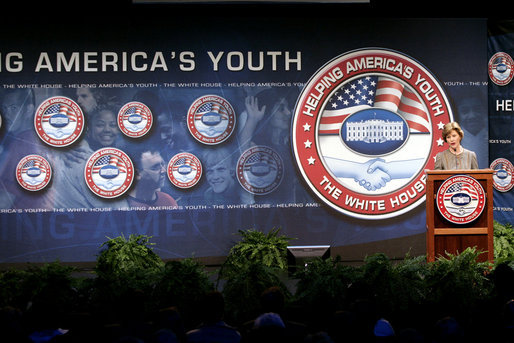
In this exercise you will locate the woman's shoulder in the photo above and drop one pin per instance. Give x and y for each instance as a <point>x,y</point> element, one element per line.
<point>444,152</point>
<point>467,151</point>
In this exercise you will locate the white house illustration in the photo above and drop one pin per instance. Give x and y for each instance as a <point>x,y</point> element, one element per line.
<point>374,131</point>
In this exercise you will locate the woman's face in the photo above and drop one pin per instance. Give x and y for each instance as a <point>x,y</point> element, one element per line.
<point>453,139</point>
<point>104,129</point>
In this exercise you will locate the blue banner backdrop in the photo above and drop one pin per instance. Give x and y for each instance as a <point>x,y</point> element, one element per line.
<point>501,157</point>
<point>226,94</point>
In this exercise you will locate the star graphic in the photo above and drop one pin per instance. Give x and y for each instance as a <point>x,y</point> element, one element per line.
<point>306,127</point>
<point>440,125</point>
<point>308,144</point>
<point>311,160</point>
<point>440,142</point>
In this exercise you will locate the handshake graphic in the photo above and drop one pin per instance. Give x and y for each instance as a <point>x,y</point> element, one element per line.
<point>374,173</point>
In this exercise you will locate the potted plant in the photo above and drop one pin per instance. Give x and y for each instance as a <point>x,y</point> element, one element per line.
<point>503,243</point>
<point>253,264</point>
<point>125,266</point>
<point>268,249</point>
<point>181,284</point>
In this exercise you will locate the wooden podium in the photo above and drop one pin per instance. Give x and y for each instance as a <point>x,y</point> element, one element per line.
<point>444,235</point>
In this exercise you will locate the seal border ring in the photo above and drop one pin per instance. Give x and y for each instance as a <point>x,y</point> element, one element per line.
<point>240,169</point>
<point>481,201</point>
<point>44,183</point>
<point>44,106</point>
<point>511,167</point>
<point>191,183</point>
<point>122,127</point>
<point>94,158</point>
<point>191,121</point>
<point>313,177</point>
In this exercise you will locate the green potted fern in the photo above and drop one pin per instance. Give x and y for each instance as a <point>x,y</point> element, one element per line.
<point>125,265</point>
<point>458,281</point>
<point>127,255</point>
<point>503,243</point>
<point>324,287</point>
<point>268,249</point>
<point>255,263</point>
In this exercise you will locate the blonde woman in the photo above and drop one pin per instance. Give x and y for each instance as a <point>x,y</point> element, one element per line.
<point>455,157</point>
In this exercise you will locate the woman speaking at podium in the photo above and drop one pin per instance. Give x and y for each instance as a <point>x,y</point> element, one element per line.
<point>455,157</point>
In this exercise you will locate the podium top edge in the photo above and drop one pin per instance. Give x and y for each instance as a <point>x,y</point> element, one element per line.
<point>460,171</point>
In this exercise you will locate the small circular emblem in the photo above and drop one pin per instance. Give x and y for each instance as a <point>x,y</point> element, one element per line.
<point>59,121</point>
<point>461,199</point>
<point>135,119</point>
<point>501,68</point>
<point>502,175</point>
<point>184,170</point>
<point>260,170</point>
<point>33,172</point>
<point>211,119</point>
<point>109,172</point>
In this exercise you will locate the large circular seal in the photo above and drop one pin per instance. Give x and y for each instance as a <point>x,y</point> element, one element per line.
<point>135,119</point>
<point>460,199</point>
<point>33,172</point>
<point>211,119</point>
<point>59,121</point>
<point>365,128</point>
<point>184,170</point>
<point>109,172</point>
